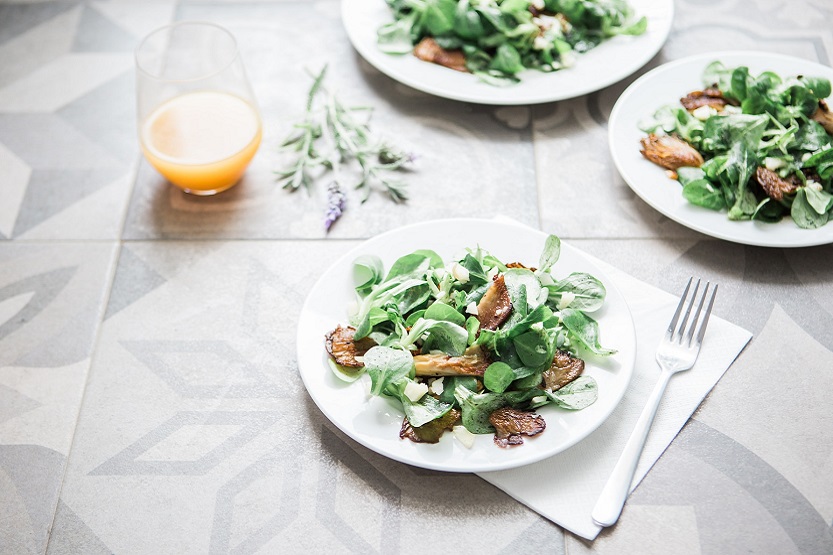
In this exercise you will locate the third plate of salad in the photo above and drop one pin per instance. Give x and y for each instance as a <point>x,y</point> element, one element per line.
<point>507,52</point>
<point>736,145</point>
<point>466,345</point>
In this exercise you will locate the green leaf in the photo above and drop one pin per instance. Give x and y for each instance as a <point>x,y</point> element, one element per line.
<point>476,408</point>
<point>477,275</point>
<point>803,213</point>
<point>467,21</point>
<point>703,193</point>
<point>576,395</point>
<point>443,336</point>
<point>434,259</point>
<point>686,175</point>
<point>441,311</point>
<point>820,200</point>
<point>425,410</point>
<point>550,254</point>
<point>585,329</point>
<point>438,16</point>
<point>819,86</point>
<point>533,349</point>
<point>515,279</point>
<point>507,60</point>
<point>472,325</point>
<point>410,265</point>
<point>450,384</point>
<point>498,376</point>
<point>386,367</point>
<point>344,373</point>
<point>588,292</point>
<point>367,272</point>
<point>395,38</point>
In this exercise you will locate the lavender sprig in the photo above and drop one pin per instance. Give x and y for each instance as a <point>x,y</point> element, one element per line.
<point>349,139</point>
<point>336,201</point>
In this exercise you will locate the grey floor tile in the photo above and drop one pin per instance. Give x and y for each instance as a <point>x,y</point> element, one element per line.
<point>51,302</point>
<point>67,119</point>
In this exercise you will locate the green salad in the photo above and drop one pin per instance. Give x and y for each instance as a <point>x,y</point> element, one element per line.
<point>497,39</point>
<point>756,146</point>
<point>473,346</point>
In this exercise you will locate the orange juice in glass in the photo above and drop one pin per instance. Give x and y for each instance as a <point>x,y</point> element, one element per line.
<point>199,125</point>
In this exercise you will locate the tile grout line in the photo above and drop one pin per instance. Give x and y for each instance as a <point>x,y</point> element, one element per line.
<point>93,349</point>
<point>117,243</point>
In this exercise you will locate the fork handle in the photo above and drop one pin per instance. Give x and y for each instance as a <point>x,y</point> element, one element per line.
<point>612,499</point>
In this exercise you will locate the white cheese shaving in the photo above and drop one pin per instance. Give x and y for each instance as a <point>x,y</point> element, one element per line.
<point>566,298</point>
<point>703,112</point>
<point>415,391</point>
<point>464,436</point>
<point>539,399</point>
<point>437,386</point>
<point>773,164</point>
<point>540,43</point>
<point>471,308</point>
<point>460,273</point>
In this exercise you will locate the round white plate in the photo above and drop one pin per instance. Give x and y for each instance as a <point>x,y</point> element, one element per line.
<point>604,65</point>
<point>665,85</point>
<point>374,422</point>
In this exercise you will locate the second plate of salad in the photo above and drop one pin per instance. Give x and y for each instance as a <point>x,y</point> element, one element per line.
<point>586,45</point>
<point>735,145</point>
<point>466,345</point>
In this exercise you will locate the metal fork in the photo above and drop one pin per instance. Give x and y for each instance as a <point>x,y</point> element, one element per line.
<point>677,351</point>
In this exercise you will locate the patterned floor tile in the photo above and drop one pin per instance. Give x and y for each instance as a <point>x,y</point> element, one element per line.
<point>799,442</point>
<point>61,136</point>
<point>51,300</point>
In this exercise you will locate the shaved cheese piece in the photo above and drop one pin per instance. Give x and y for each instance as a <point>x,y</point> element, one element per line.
<point>464,436</point>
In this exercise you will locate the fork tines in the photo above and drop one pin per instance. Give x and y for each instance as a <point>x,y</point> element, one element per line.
<point>675,333</point>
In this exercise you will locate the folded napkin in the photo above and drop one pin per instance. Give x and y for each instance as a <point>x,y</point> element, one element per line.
<point>575,477</point>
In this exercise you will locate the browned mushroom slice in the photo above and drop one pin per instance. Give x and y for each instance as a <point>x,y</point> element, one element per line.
<point>471,363</point>
<point>709,97</point>
<point>344,349</point>
<point>772,184</point>
<point>520,265</point>
<point>428,50</point>
<point>430,432</point>
<point>564,369</point>
<point>510,424</point>
<point>670,152</point>
<point>495,306</point>
<point>823,116</point>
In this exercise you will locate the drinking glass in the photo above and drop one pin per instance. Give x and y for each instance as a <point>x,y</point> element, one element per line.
<point>199,125</point>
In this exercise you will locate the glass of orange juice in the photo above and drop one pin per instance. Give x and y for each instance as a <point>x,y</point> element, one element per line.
<point>199,124</point>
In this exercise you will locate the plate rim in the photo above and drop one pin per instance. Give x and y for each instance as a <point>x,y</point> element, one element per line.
<point>626,366</point>
<point>735,234</point>
<point>492,96</point>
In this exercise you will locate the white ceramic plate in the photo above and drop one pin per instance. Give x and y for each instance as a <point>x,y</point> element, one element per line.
<point>602,66</point>
<point>375,422</point>
<point>666,85</point>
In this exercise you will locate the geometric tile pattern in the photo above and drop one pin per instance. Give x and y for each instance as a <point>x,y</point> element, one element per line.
<point>232,375</point>
<point>174,318</point>
<point>247,425</point>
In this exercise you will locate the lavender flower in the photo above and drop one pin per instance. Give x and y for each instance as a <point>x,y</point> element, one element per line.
<point>335,204</point>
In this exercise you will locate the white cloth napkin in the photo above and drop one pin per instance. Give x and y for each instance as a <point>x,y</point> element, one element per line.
<point>575,477</point>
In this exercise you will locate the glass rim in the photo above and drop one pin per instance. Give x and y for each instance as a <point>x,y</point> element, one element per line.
<point>234,57</point>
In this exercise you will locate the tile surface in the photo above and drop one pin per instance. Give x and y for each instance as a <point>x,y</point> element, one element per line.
<point>149,395</point>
